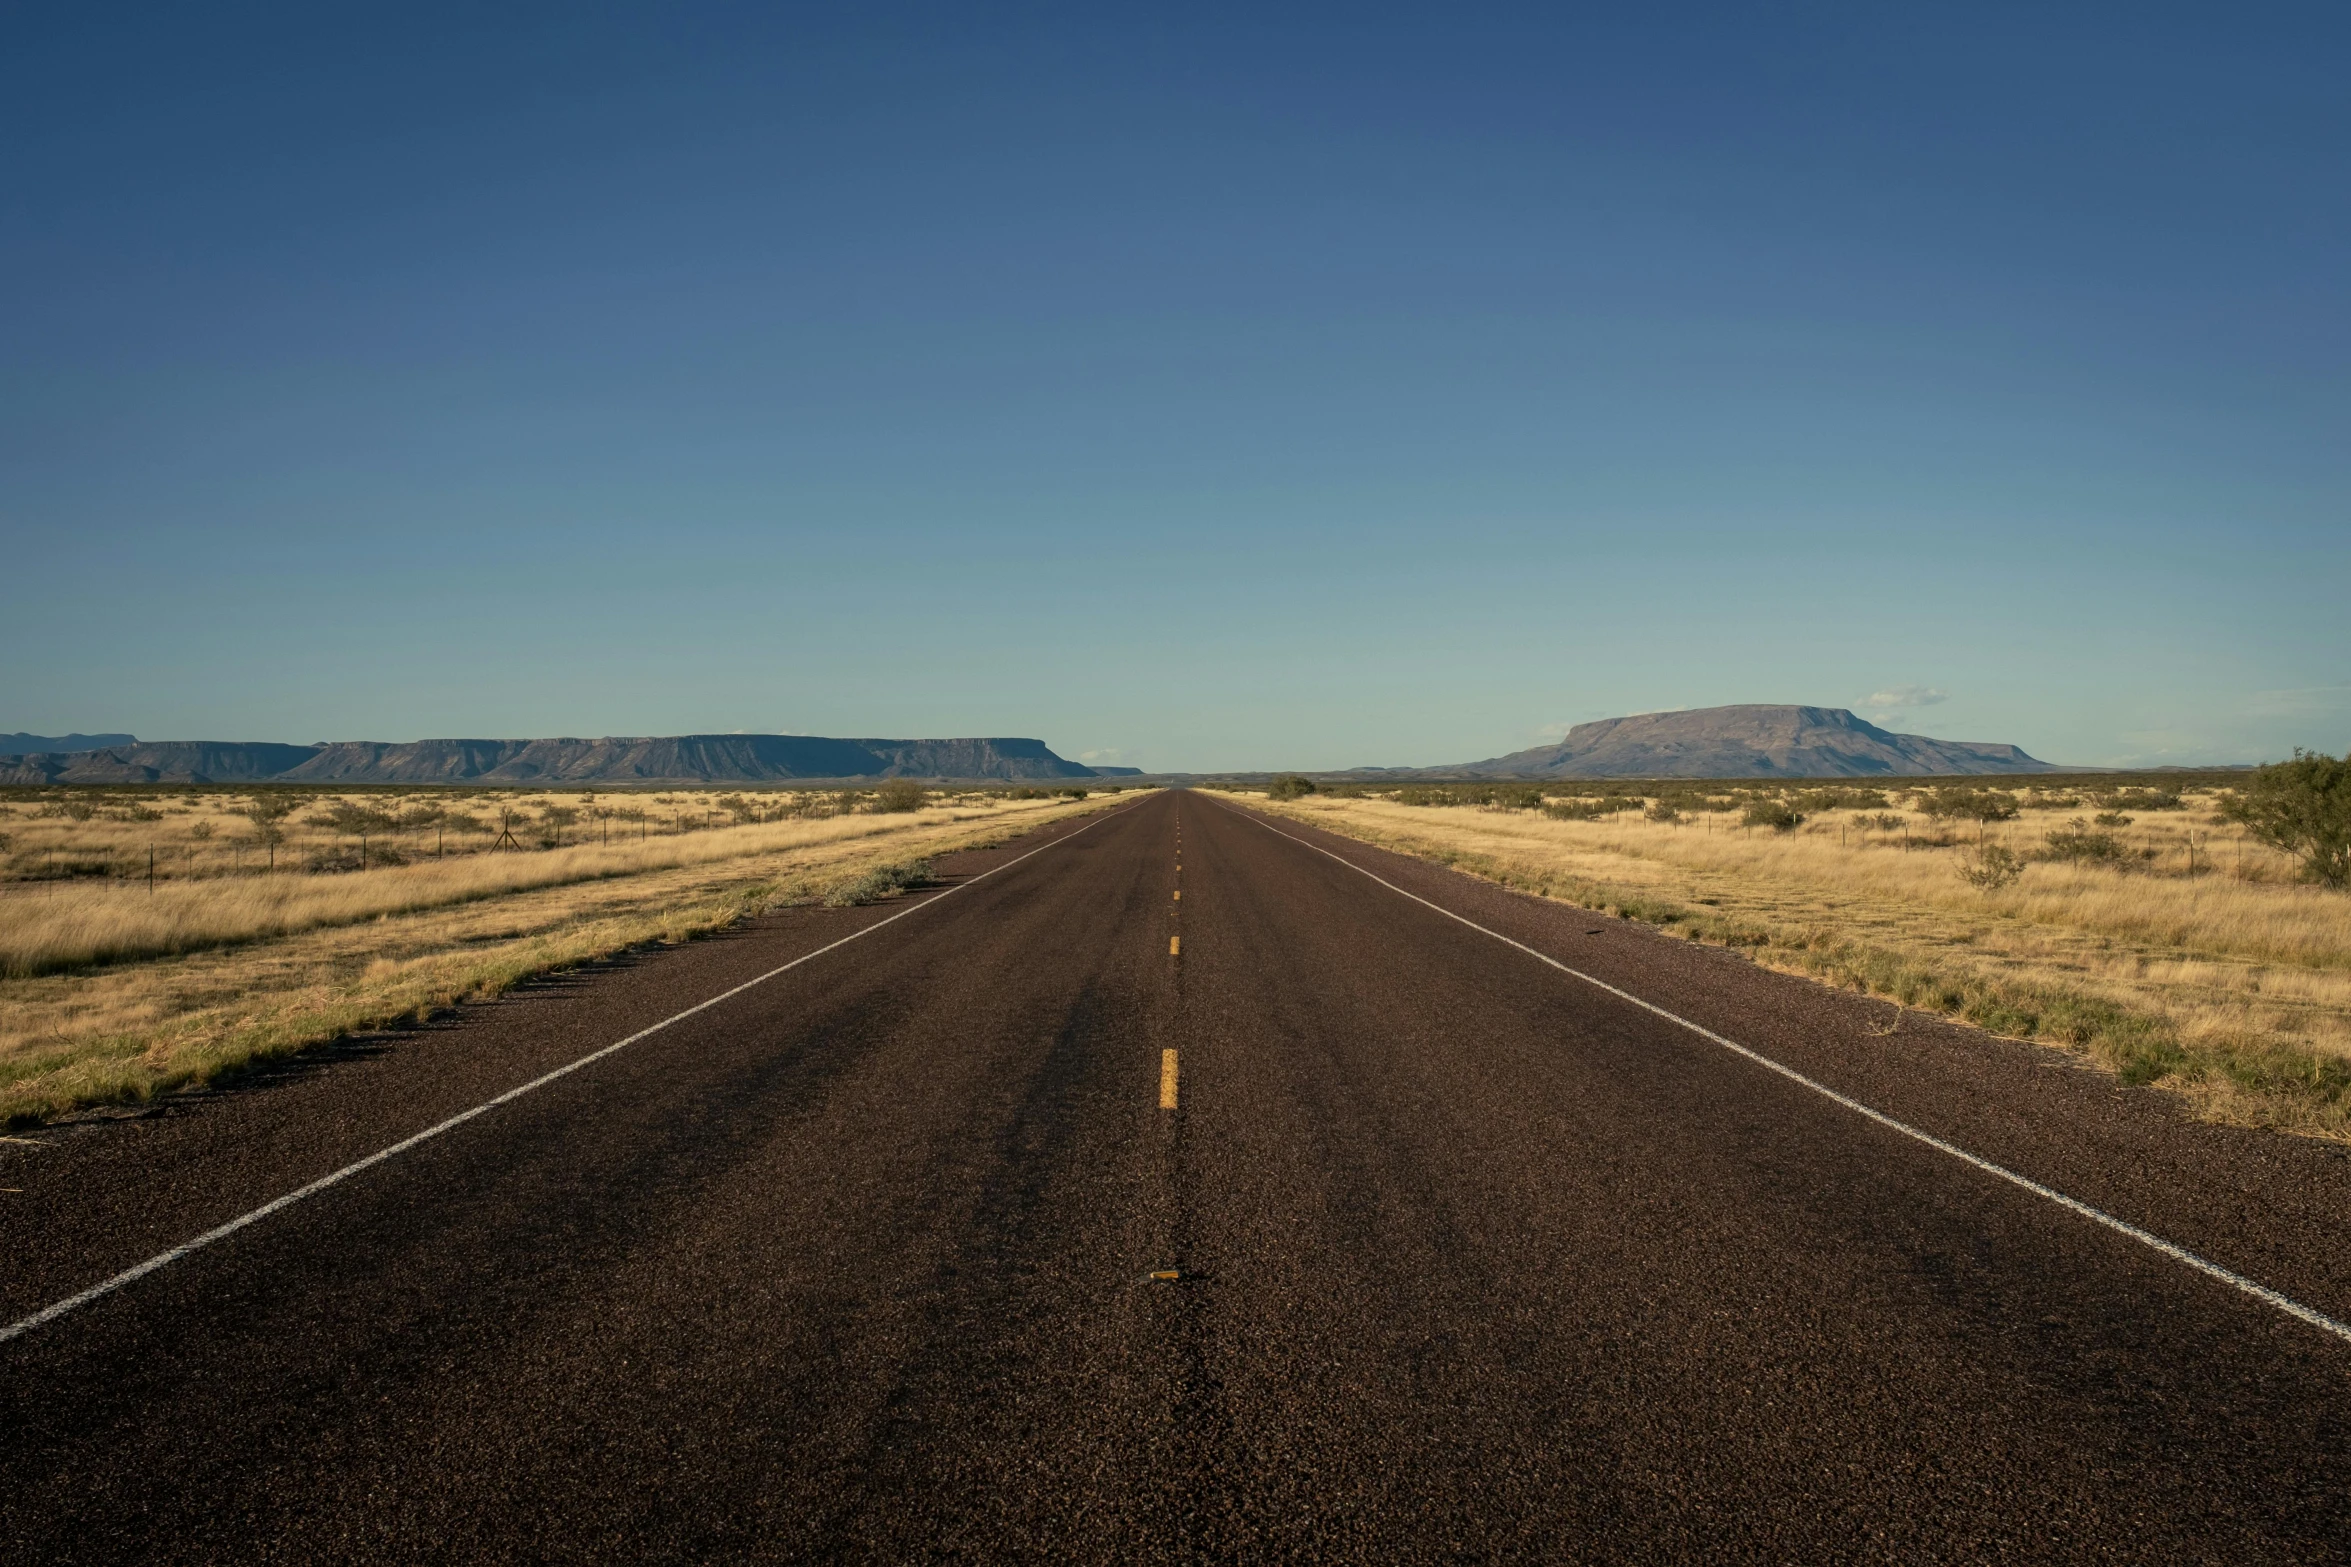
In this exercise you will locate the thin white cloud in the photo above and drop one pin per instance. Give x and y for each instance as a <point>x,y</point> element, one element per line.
<point>1906,696</point>
<point>2299,702</point>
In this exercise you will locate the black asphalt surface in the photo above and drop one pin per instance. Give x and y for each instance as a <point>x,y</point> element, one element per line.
<point>1475,1261</point>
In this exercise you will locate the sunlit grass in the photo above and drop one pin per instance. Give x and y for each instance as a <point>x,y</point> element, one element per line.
<point>2231,983</point>
<point>236,969</point>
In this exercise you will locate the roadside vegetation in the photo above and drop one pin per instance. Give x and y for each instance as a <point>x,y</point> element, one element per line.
<point>279,918</point>
<point>2194,935</point>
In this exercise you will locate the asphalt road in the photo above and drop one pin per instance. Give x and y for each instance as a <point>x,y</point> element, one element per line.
<point>1473,1259</point>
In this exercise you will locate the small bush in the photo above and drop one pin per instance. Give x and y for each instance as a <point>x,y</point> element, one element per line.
<point>901,795</point>
<point>2079,843</point>
<point>1991,868</point>
<point>352,857</point>
<point>1778,815</point>
<point>1814,801</point>
<point>881,882</point>
<point>2141,800</point>
<point>1662,811</point>
<point>2111,819</point>
<point>265,812</point>
<point>2303,807</point>
<point>1289,786</point>
<point>1884,821</point>
<point>1975,805</point>
<point>344,817</point>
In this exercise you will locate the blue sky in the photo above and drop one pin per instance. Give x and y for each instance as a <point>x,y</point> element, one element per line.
<point>1207,388</point>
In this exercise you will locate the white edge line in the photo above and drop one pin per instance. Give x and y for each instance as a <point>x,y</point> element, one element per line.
<point>2261,1292</point>
<point>51,1313</point>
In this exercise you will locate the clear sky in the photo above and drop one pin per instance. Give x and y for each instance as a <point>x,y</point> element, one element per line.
<point>1189,387</point>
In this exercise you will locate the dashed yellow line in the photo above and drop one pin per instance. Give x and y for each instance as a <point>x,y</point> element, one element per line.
<point>1167,1080</point>
<point>1179,897</point>
<point>1175,946</point>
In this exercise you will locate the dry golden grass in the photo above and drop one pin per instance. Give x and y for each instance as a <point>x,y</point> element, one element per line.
<point>63,925</point>
<point>291,961</point>
<point>2232,984</point>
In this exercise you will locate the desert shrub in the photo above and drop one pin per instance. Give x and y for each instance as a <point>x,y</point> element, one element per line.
<point>265,812</point>
<point>72,810</point>
<point>1884,821</point>
<point>1778,815</point>
<point>1991,868</point>
<point>2111,819</point>
<point>345,817</point>
<point>1289,786</point>
<point>1584,810</point>
<point>2141,800</point>
<point>1814,801</point>
<point>1975,805</point>
<point>2079,842</point>
<point>1516,797</point>
<point>2303,807</point>
<point>1662,811</point>
<point>880,883</point>
<point>2055,802</point>
<point>900,795</point>
<point>342,857</point>
<point>201,832</point>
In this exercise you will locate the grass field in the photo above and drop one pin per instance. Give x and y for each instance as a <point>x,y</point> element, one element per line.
<point>111,992</point>
<point>2173,951</point>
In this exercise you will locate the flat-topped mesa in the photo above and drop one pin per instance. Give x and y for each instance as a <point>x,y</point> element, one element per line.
<point>680,759</point>
<point>1752,740</point>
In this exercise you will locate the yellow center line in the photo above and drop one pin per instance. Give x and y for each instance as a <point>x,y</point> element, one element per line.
<point>1179,897</point>
<point>1175,945</point>
<point>1167,1080</point>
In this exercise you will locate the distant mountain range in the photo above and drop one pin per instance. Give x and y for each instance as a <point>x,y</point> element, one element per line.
<point>19,744</point>
<point>679,759</point>
<point>1756,740</point>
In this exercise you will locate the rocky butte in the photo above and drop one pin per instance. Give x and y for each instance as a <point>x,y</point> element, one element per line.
<point>674,759</point>
<point>1752,740</point>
